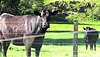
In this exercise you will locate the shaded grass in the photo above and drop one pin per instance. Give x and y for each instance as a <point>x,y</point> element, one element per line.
<point>64,39</point>
<point>62,34</point>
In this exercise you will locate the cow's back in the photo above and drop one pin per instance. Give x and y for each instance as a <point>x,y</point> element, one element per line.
<point>16,26</point>
<point>93,36</point>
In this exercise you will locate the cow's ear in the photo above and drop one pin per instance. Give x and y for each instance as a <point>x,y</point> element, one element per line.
<point>83,28</point>
<point>54,12</point>
<point>37,13</point>
<point>90,28</point>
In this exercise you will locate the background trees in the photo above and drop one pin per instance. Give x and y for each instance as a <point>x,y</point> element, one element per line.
<point>67,10</point>
<point>20,7</point>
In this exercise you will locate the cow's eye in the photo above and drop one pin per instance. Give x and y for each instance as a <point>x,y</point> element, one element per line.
<point>47,15</point>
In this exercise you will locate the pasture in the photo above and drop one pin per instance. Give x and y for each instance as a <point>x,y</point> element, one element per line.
<point>58,42</point>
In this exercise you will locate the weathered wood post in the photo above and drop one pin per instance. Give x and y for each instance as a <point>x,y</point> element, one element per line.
<point>75,40</point>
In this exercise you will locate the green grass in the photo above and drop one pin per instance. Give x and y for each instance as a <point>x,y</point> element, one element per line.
<point>56,51</point>
<point>69,27</point>
<point>58,42</point>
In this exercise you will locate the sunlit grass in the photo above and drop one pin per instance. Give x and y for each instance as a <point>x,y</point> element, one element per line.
<point>69,27</point>
<point>56,51</point>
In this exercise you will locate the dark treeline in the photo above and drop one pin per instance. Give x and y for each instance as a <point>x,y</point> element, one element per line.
<point>20,7</point>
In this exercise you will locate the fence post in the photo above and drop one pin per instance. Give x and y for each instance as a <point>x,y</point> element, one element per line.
<point>75,40</point>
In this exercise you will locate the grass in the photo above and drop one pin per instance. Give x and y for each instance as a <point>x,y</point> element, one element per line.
<point>69,27</point>
<point>60,44</point>
<point>56,51</point>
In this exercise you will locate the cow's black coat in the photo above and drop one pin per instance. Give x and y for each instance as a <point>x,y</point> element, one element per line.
<point>90,37</point>
<point>37,43</point>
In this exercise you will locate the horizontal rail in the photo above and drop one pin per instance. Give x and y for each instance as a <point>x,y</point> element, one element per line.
<point>17,38</point>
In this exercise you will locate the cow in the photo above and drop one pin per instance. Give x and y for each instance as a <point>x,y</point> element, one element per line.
<point>44,17</point>
<point>37,43</point>
<point>20,26</point>
<point>90,37</point>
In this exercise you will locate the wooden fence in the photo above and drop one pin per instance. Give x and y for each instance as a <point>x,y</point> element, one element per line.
<point>75,40</point>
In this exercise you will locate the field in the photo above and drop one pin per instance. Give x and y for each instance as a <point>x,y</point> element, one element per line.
<point>55,51</point>
<point>58,42</point>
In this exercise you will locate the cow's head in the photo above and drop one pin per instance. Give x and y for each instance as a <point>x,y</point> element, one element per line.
<point>45,17</point>
<point>87,30</point>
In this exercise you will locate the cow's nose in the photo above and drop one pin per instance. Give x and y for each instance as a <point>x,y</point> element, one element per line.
<point>44,25</point>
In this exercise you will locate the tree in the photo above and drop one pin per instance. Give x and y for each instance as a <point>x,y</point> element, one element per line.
<point>10,6</point>
<point>21,7</point>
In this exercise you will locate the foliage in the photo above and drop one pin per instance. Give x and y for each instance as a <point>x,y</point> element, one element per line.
<point>76,10</point>
<point>9,6</point>
<point>29,6</point>
<point>20,7</point>
<point>67,10</point>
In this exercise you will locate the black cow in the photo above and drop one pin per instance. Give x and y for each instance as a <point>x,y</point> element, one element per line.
<point>90,37</point>
<point>37,43</point>
<point>21,26</point>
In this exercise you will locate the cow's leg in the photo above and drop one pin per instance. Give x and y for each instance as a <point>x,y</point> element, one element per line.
<point>39,45</point>
<point>91,46</point>
<point>37,51</point>
<point>94,46</point>
<point>5,45</point>
<point>28,44</point>
<point>28,52</point>
<point>0,48</point>
<point>86,46</point>
<point>0,42</point>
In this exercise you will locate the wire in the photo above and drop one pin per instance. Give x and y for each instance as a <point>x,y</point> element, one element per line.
<point>18,38</point>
